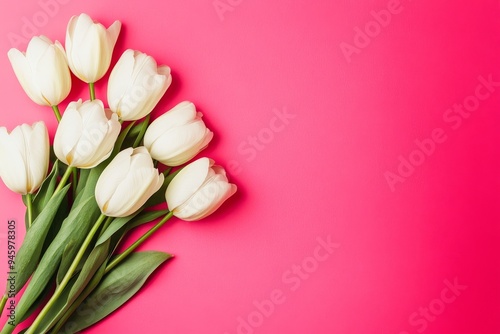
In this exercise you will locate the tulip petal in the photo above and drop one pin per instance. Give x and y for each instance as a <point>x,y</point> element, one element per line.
<point>111,177</point>
<point>119,82</point>
<point>36,49</point>
<point>46,82</point>
<point>140,184</point>
<point>183,143</point>
<point>68,133</point>
<point>206,201</point>
<point>113,33</point>
<point>89,47</point>
<point>179,191</point>
<point>24,74</point>
<point>181,114</point>
<point>12,168</point>
<point>78,28</point>
<point>104,150</point>
<point>38,160</point>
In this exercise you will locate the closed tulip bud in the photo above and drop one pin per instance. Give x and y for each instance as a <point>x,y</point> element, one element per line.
<point>136,85</point>
<point>127,183</point>
<point>42,71</point>
<point>24,156</point>
<point>86,135</point>
<point>198,190</point>
<point>178,135</point>
<point>89,47</point>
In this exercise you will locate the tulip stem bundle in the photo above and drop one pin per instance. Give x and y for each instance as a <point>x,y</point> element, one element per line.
<point>67,277</point>
<point>73,230</point>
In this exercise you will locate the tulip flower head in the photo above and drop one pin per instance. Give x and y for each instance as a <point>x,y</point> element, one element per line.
<point>178,135</point>
<point>127,183</point>
<point>89,47</point>
<point>198,190</point>
<point>136,85</point>
<point>42,71</point>
<point>86,135</point>
<point>24,156</point>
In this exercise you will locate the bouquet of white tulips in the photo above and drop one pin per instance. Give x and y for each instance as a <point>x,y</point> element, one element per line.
<point>98,180</point>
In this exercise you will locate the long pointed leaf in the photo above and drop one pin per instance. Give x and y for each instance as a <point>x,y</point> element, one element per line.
<point>118,286</point>
<point>74,229</point>
<point>30,252</point>
<point>97,258</point>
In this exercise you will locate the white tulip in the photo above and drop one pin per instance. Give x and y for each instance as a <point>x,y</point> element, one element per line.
<point>127,183</point>
<point>86,135</point>
<point>42,71</point>
<point>89,47</point>
<point>136,85</point>
<point>178,135</point>
<point>24,156</point>
<point>198,190</point>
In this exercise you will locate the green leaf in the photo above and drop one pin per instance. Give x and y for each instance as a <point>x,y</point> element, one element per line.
<point>43,195</point>
<point>146,217</point>
<point>66,259</point>
<point>74,230</point>
<point>89,184</point>
<point>96,258</point>
<point>56,309</point>
<point>61,215</point>
<point>95,261</point>
<point>130,222</point>
<point>115,226</point>
<point>69,309</point>
<point>118,286</point>
<point>42,299</point>
<point>78,237</point>
<point>121,139</point>
<point>82,180</point>
<point>31,248</point>
<point>143,127</point>
<point>136,133</point>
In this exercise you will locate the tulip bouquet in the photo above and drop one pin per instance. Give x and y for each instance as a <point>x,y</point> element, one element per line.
<point>104,179</point>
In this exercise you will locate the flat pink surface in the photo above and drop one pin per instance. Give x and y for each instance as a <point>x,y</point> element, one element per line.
<point>315,119</point>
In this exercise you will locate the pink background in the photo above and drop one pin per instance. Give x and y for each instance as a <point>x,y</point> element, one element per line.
<point>319,174</point>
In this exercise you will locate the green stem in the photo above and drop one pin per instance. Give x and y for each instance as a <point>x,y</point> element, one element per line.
<point>106,224</point>
<point>92,91</point>
<point>57,113</point>
<point>64,179</point>
<point>67,277</point>
<point>94,282</point>
<point>138,242</point>
<point>74,181</point>
<point>29,206</point>
<point>144,126</point>
<point>3,302</point>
